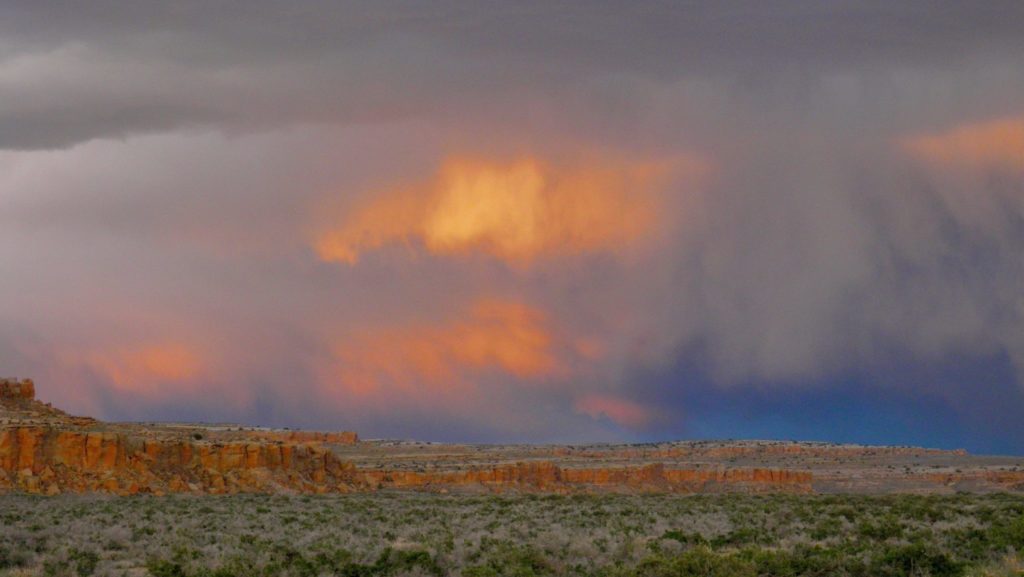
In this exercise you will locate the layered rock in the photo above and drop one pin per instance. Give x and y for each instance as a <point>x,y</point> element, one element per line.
<point>545,476</point>
<point>1000,479</point>
<point>747,450</point>
<point>17,390</point>
<point>327,438</point>
<point>44,450</point>
<point>39,459</point>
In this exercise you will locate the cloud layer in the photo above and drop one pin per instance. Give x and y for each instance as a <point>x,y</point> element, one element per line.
<point>518,222</point>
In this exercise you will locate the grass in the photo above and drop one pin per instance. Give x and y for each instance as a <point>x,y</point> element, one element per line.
<point>495,536</point>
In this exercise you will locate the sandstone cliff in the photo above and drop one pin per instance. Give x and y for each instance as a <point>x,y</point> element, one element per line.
<point>17,390</point>
<point>47,460</point>
<point>44,450</point>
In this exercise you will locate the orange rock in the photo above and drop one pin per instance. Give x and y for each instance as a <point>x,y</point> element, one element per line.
<point>253,454</point>
<point>44,450</point>
<point>27,440</point>
<point>24,390</point>
<point>8,451</point>
<point>70,449</point>
<point>231,457</point>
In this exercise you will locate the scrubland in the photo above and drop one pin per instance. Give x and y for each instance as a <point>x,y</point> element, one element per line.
<point>393,534</point>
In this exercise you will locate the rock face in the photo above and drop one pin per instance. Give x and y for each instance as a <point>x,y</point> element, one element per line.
<point>50,460</point>
<point>333,437</point>
<point>44,450</point>
<point>545,476</point>
<point>15,390</point>
<point>39,459</point>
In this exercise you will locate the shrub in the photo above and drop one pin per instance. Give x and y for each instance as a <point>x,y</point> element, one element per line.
<point>84,561</point>
<point>512,561</point>
<point>164,568</point>
<point>685,538</point>
<point>11,558</point>
<point>915,560</point>
<point>699,561</point>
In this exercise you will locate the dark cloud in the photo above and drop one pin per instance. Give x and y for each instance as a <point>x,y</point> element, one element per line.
<point>164,169</point>
<point>70,72</point>
<point>958,402</point>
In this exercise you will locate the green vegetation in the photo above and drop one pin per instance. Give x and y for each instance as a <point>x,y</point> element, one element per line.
<point>396,534</point>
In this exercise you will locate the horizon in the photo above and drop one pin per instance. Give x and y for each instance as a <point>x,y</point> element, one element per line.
<point>470,442</point>
<point>526,223</point>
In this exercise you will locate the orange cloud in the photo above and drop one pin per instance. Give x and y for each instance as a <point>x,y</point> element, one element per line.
<point>997,144</point>
<point>514,211</point>
<point>620,411</point>
<point>145,369</point>
<point>494,337</point>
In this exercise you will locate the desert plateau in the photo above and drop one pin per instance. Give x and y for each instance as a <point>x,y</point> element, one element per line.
<point>85,497</point>
<point>516,288</point>
<point>44,450</point>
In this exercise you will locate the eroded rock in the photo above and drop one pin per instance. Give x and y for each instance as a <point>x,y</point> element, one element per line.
<point>44,450</point>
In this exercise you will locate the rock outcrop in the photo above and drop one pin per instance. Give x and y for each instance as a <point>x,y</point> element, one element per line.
<point>44,450</point>
<point>50,460</point>
<point>17,390</point>
<point>545,476</point>
<point>39,459</point>
<point>329,438</point>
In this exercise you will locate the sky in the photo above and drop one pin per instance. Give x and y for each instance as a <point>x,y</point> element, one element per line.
<point>520,221</point>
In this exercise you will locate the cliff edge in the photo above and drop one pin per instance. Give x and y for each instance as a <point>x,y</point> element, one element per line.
<point>45,450</point>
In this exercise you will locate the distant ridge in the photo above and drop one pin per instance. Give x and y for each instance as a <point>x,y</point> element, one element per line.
<point>45,450</point>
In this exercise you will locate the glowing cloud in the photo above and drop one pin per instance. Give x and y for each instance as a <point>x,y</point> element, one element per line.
<point>494,337</point>
<point>997,144</point>
<point>145,369</point>
<point>622,412</point>
<point>516,211</point>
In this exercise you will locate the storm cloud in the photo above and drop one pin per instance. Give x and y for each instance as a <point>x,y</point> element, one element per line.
<point>487,221</point>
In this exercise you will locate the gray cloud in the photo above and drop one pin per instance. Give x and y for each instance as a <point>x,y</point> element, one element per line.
<point>162,167</point>
<point>71,72</point>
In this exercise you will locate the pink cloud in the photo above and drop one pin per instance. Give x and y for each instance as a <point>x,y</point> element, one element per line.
<point>622,412</point>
